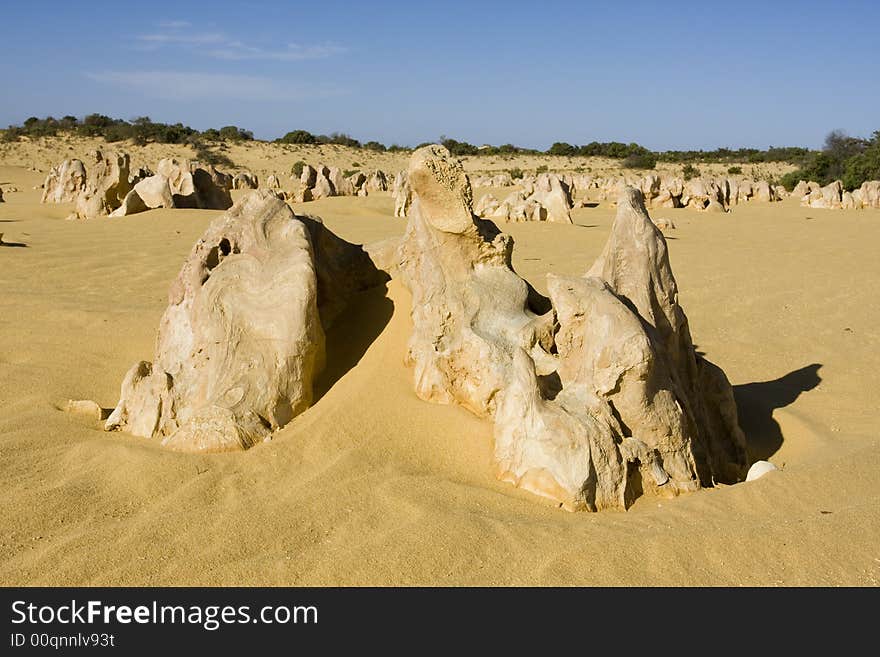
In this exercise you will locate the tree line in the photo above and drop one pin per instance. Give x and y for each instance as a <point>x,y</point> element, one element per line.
<point>850,159</point>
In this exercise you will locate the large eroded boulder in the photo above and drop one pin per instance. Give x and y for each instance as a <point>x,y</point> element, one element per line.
<point>635,409</point>
<point>470,310</point>
<point>242,337</point>
<point>596,402</point>
<point>240,341</point>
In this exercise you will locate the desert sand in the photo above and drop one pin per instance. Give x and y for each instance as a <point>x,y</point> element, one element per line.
<point>372,486</point>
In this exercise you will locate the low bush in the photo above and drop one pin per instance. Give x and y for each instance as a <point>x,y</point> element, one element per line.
<point>689,171</point>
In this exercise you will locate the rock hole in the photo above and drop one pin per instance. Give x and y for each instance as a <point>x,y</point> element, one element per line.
<point>213,258</point>
<point>217,253</point>
<point>634,489</point>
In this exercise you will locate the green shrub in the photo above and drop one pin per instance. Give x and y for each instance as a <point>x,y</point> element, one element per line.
<point>541,169</point>
<point>516,173</point>
<point>735,170</point>
<point>689,171</point>
<point>339,139</point>
<point>561,148</point>
<point>644,160</point>
<point>792,178</point>
<point>297,168</point>
<point>299,137</point>
<point>458,148</point>
<point>234,133</point>
<point>864,166</point>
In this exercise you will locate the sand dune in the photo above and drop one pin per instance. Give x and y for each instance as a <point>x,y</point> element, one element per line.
<point>372,485</point>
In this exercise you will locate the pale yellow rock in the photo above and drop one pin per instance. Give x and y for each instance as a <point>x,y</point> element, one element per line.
<point>635,410</point>
<point>85,408</point>
<point>470,310</point>
<point>240,341</point>
<point>64,182</point>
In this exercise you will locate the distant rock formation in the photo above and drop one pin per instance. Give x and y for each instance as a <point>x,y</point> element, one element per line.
<point>402,194</point>
<point>179,184</point>
<point>325,182</point>
<point>64,182</point>
<point>108,181</point>
<point>834,197</point>
<point>245,180</point>
<point>111,188</point>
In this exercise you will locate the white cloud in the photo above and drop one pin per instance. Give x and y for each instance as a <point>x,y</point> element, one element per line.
<point>182,38</point>
<point>218,45</point>
<point>190,86</point>
<point>236,50</point>
<point>174,25</point>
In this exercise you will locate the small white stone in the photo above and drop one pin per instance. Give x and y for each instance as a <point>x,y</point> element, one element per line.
<point>759,469</point>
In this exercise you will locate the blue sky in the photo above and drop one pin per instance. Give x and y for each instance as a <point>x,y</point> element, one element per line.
<point>664,74</point>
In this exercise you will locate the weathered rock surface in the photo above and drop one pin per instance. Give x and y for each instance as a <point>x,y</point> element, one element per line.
<point>242,337</point>
<point>240,341</point>
<point>376,182</point>
<point>637,411</point>
<point>245,180</point>
<point>64,182</point>
<point>552,193</point>
<point>470,310</point>
<point>107,183</point>
<point>624,407</point>
<point>402,194</point>
<point>178,184</point>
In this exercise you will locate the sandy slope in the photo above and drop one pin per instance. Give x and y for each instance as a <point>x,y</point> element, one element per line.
<point>373,486</point>
<point>265,158</point>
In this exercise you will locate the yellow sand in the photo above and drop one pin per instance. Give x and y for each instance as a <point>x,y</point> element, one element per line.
<point>372,485</point>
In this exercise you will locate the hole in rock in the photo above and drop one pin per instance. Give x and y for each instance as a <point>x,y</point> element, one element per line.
<point>213,258</point>
<point>634,489</point>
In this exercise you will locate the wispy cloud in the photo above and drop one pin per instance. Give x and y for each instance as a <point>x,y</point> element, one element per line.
<point>236,50</point>
<point>219,45</point>
<point>182,38</point>
<point>190,86</point>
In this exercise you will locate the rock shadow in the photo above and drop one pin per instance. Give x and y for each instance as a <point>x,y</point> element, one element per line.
<point>353,331</point>
<point>756,402</point>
